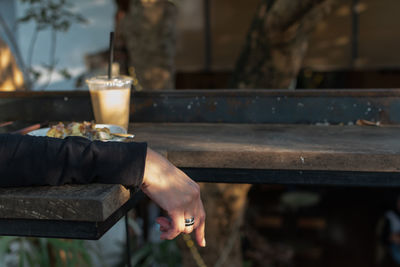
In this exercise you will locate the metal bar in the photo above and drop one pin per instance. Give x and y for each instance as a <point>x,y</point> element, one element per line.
<point>128,241</point>
<point>3,124</point>
<point>207,37</point>
<point>355,32</point>
<point>294,177</point>
<point>67,96</point>
<point>32,127</point>
<point>49,229</point>
<point>302,106</point>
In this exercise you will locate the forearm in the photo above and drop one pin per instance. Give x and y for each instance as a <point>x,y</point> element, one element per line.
<point>26,160</point>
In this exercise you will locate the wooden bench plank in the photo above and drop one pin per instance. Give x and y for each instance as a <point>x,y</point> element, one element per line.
<point>90,203</point>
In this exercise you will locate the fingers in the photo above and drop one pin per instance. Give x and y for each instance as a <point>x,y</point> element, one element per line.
<point>200,236</point>
<point>171,229</point>
<point>177,226</point>
<point>167,229</point>
<point>164,223</point>
<point>189,228</point>
<point>199,226</point>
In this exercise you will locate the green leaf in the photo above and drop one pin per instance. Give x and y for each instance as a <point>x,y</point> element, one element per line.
<point>25,18</point>
<point>44,257</point>
<point>141,254</point>
<point>65,73</point>
<point>5,242</point>
<point>62,26</point>
<point>21,253</point>
<point>81,19</point>
<point>43,13</point>
<point>35,74</point>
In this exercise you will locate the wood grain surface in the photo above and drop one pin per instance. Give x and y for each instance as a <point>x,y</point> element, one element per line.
<point>93,202</point>
<point>205,145</point>
<point>284,147</point>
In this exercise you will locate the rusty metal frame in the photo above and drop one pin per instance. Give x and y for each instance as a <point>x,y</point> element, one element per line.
<point>230,106</point>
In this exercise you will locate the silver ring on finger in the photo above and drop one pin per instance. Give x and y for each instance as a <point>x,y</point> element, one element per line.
<point>189,222</point>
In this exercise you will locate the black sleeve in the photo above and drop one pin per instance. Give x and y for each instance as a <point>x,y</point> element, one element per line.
<point>29,160</point>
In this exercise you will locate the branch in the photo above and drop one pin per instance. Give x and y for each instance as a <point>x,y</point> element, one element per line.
<point>32,46</point>
<point>284,13</point>
<point>301,26</point>
<point>230,243</point>
<point>52,58</point>
<point>317,14</point>
<point>255,36</point>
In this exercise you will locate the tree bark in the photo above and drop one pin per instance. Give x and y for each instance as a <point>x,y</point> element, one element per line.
<point>148,31</point>
<point>277,42</point>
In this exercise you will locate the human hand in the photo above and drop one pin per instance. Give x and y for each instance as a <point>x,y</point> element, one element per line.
<point>177,194</point>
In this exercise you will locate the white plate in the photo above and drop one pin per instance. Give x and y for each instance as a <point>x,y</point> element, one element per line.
<point>113,129</point>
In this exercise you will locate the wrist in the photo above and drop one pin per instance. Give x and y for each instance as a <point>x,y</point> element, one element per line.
<point>152,168</point>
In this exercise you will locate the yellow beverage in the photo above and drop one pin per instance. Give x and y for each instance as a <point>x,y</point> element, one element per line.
<point>111,100</point>
<point>111,106</point>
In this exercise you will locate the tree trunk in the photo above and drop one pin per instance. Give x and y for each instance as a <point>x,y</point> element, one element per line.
<point>224,205</point>
<point>272,57</point>
<point>148,31</point>
<point>277,42</point>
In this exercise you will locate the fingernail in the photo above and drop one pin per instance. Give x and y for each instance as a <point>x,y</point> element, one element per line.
<point>203,243</point>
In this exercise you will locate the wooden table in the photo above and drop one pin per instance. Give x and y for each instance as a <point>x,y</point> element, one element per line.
<point>233,153</point>
<point>285,154</point>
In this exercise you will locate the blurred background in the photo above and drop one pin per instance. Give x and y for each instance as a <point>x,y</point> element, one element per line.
<point>352,46</point>
<point>224,44</point>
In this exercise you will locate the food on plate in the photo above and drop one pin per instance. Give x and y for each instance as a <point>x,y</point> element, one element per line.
<point>84,129</point>
<point>56,131</point>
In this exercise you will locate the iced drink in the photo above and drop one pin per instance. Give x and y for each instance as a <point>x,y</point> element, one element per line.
<point>110,99</point>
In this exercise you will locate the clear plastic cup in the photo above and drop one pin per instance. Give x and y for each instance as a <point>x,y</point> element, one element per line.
<point>111,99</point>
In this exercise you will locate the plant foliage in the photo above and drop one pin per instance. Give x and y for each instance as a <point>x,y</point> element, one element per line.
<point>43,252</point>
<point>51,14</point>
<point>56,16</point>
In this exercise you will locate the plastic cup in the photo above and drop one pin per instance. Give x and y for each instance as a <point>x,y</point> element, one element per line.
<point>110,99</point>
